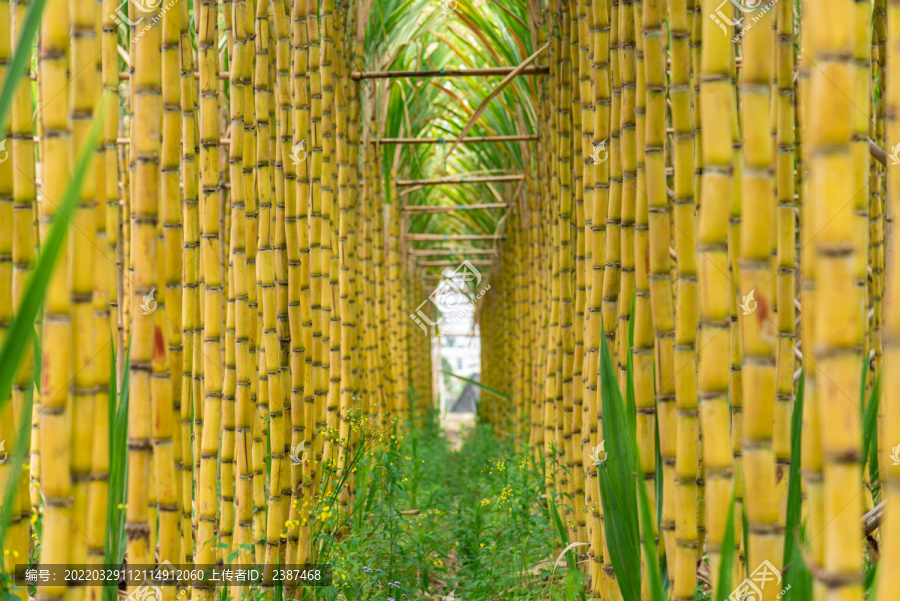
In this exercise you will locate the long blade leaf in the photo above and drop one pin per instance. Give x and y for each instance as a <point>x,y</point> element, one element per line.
<point>19,333</point>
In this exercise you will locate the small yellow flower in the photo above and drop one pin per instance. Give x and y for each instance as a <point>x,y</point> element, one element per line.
<point>482,544</point>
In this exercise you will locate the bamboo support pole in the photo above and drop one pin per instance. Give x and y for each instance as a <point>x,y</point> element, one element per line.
<point>451,208</point>
<point>468,139</point>
<point>484,72</point>
<point>418,237</point>
<point>466,251</point>
<point>460,180</point>
<point>475,262</point>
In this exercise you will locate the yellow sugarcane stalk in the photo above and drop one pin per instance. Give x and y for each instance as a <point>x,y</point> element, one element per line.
<point>717,96</point>
<point>837,300</point>
<point>24,200</point>
<point>759,328</point>
<point>211,308</point>
<point>890,581</point>
<point>684,124</point>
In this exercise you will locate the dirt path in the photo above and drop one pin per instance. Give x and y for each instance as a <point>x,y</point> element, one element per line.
<point>452,423</point>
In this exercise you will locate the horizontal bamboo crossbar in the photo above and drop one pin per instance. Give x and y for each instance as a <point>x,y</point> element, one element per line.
<point>422,237</point>
<point>460,180</point>
<point>488,71</point>
<point>125,75</point>
<point>126,141</point>
<point>446,263</point>
<point>530,70</point>
<point>451,208</point>
<point>469,139</point>
<point>461,252</point>
<point>451,334</point>
<point>877,153</point>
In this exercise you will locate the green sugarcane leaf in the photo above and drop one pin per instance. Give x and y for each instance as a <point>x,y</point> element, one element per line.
<point>871,582</point>
<point>117,494</point>
<point>22,57</point>
<point>797,575</point>
<point>870,426</point>
<point>36,349</point>
<point>617,481</point>
<point>794,503</point>
<point>21,331</point>
<point>16,462</point>
<point>492,391</point>
<point>651,560</point>
<point>727,567</point>
<point>18,335</point>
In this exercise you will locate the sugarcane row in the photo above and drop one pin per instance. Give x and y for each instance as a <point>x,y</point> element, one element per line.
<point>246,300</point>
<point>702,173</point>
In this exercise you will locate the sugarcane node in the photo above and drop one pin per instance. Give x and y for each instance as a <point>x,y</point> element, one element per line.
<point>139,444</point>
<point>137,530</point>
